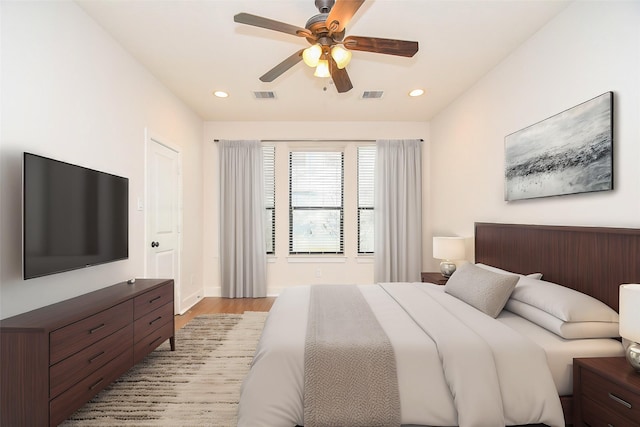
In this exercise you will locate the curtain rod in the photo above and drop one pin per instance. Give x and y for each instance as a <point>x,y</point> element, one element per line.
<point>318,140</point>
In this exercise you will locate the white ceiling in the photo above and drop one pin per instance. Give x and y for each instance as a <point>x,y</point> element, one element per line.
<point>194,47</point>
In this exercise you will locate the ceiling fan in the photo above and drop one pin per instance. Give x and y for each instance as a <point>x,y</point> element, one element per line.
<point>330,49</point>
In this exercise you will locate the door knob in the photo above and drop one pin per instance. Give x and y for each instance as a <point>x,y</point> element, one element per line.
<point>155,244</point>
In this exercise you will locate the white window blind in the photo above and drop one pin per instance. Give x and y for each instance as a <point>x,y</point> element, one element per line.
<point>366,167</point>
<point>268,156</point>
<point>316,202</point>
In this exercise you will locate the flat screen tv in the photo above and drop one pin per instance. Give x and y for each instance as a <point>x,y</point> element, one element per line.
<point>73,217</point>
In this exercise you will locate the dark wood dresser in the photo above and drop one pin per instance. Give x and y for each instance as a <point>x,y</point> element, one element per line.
<point>606,392</point>
<point>56,358</point>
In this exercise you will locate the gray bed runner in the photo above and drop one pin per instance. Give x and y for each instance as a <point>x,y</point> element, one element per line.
<point>349,364</point>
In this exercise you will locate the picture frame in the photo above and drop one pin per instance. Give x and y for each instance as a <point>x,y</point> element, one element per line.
<point>568,153</point>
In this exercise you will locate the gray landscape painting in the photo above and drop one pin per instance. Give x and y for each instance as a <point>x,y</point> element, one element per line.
<point>568,153</point>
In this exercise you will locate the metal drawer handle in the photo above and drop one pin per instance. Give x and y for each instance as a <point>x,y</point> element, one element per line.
<point>620,401</point>
<point>96,356</point>
<point>96,329</point>
<point>154,341</point>
<point>154,299</point>
<point>96,384</point>
<point>155,320</point>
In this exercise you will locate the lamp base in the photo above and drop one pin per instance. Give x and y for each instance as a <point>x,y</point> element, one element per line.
<point>633,355</point>
<point>447,268</point>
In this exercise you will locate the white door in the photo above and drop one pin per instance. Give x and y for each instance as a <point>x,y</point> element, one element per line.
<point>163,214</point>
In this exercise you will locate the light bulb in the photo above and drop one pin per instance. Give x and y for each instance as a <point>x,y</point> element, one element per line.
<point>322,70</point>
<point>341,55</point>
<point>311,55</point>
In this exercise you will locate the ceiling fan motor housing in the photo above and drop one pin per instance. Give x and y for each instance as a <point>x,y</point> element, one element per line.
<point>316,22</point>
<point>317,25</point>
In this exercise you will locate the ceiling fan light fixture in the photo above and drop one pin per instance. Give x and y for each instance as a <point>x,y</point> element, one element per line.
<point>341,55</point>
<point>311,55</point>
<point>322,70</point>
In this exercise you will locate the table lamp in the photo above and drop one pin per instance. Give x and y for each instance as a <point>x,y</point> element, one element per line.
<point>448,249</point>
<point>630,322</point>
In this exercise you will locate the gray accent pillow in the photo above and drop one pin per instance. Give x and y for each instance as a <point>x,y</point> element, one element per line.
<point>483,289</point>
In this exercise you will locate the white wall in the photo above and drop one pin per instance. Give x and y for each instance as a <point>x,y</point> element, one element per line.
<point>282,273</point>
<point>70,92</point>
<point>588,49</point>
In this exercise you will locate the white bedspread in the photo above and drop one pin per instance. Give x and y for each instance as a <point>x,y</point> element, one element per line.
<point>424,325</point>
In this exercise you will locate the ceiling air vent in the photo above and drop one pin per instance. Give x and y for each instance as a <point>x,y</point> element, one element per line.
<point>372,94</point>
<point>264,94</point>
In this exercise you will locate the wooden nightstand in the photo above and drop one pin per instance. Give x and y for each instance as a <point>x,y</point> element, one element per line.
<point>606,392</point>
<point>437,278</point>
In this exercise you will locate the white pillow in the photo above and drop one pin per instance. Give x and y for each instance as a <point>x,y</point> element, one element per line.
<point>566,304</point>
<point>567,330</point>
<point>499,270</point>
<point>485,290</point>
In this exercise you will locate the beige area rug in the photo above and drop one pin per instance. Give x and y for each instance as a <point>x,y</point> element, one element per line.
<point>196,385</point>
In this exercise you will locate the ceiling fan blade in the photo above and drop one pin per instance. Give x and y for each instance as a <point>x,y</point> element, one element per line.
<point>378,45</point>
<point>340,77</point>
<point>270,24</point>
<point>276,71</point>
<point>341,13</point>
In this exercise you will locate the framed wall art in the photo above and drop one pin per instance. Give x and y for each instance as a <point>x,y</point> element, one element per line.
<point>568,153</point>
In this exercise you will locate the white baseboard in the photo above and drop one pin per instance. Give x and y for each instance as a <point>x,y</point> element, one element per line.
<point>216,291</point>
<point>212,291</point>
<point>189,302</point>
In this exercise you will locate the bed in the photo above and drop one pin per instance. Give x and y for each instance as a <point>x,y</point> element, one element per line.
<point>443,372</point>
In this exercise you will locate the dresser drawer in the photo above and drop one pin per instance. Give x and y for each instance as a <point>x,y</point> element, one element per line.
<point>610,395</point>
<point>595,415</point>
<point>66,404</point>
<point>147,344</point>
<point>152,321</point>
<point>71,370</point>
<point>72,338</point>
<point>149,301</point>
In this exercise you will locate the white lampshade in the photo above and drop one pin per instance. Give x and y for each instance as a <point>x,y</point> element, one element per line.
<point>449,248</point>
<point>630,312</point>
<point>311,55</point>
<point>341,55</point>
<point>322,70</point>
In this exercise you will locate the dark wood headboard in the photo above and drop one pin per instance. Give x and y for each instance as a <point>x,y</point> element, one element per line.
<point>593,260</point>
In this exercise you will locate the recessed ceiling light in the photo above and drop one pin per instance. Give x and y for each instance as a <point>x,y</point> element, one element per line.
<point>416,92</point>
<point>221,94</point>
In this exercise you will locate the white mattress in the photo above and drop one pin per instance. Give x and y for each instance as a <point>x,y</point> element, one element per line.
<point>560,351</point>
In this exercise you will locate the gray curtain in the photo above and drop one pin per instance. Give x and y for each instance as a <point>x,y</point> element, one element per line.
<point>398,211</point>
<point>243,259</point>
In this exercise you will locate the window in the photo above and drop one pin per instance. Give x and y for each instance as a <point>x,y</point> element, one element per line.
<point>268,157</point>
<point>366,165</point>
<point>316,202</point>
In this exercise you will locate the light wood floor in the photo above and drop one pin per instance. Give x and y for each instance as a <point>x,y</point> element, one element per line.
<point>224,305</point>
